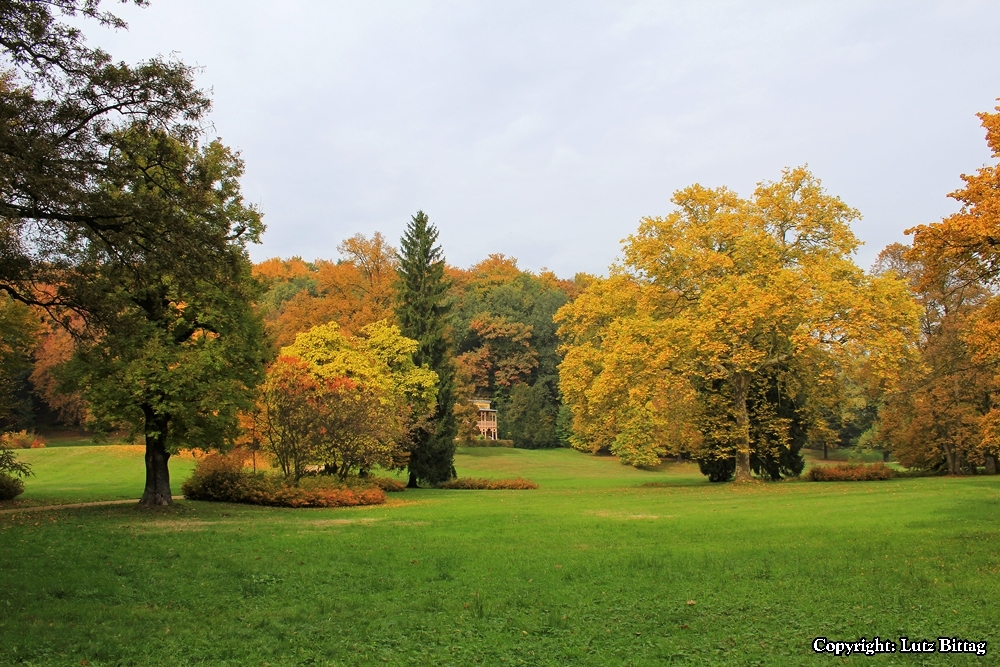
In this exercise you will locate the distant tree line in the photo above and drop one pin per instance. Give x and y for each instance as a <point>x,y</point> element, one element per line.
<point>497,327</point>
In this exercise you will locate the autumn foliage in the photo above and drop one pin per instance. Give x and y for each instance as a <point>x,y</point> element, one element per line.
<point>479,483</point>
<point>341,403</point>
<point>732,331</point>
<point>354,292</point>
<point>224,478</point>
<point>21,440</point>
<point>945,416</point>
<point>850,472</point>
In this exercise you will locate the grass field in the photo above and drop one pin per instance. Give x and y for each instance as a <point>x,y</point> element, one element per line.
<point>68,474</point>
<point>591,569</point>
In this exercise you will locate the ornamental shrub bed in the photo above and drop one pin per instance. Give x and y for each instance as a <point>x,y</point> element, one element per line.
<point>224,479</point>
<point>21,440</point>
<point>483,442</point>
<point>480,483</point>
<point>387,484</point>
<point>851,472</point>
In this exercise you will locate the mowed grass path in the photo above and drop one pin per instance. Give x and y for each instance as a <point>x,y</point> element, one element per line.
<point>591,569</point>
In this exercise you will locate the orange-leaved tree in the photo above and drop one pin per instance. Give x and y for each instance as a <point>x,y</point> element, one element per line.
<point>335,423</point>
<point>289,409</point>
<point>952,418</point>
<point>931,420</point>
<point>502,354</point>
<point>354,291</point>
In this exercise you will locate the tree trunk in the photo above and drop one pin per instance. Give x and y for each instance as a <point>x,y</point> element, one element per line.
<point>826,454</point>
<point>741,385</point>
<point>412,484</point>
<point>885,456</point>
<point>157,474</point>
<point>951,458</point>
<point>991,465</point>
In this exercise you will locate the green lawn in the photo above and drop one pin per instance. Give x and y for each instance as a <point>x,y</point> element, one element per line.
<point>67,474</point>
<point>591,569</point>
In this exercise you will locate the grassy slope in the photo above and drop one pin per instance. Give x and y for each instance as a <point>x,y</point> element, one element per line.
<point>589,570</point>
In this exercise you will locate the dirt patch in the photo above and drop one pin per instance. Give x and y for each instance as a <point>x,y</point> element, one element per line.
<point>175,525</point>
<point>625,516</point>
<point>410,523</point>
<point>70,506</point>
<point>124,449</point>
<point>399,502</point>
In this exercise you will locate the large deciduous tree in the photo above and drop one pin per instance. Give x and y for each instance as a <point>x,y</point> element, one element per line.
<point>113,215</point>
<point>967,243</point>
<point>65,116</point>
<point>422,308</point>
<point>719,310</point>
<point>946,415</point>
<point>178,349</point>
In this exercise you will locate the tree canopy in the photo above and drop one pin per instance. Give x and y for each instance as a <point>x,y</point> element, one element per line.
<point>179,347</point>
<point>945,415</point>
<point>347,403</point>
<point>75,127</point>
<point>715,304</point>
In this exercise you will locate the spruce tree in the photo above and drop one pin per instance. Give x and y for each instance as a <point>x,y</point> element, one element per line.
<point>422,311</point>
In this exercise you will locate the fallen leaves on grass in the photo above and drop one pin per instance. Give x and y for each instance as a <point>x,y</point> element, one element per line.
<point>480,483</point>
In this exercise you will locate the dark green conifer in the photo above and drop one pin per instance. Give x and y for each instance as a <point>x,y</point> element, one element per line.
<point>422,311</point>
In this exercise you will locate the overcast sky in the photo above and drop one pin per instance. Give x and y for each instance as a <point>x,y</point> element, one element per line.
<point>545,130</point>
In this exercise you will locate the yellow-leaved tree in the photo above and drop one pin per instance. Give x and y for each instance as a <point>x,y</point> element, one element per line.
<point>729,329</point>
<point>344,402</point>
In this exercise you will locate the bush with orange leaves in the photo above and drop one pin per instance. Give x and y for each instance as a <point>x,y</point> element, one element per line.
<point>480,483</point>
<point>21,440</point>
<point>851,472</point>
<point>223,478</point>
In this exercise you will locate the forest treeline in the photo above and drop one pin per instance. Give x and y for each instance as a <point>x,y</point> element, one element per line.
<point>735,331</point>
<point>501,326</point>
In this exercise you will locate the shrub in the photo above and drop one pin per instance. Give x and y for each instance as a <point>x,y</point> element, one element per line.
<point>222,478</point>
<point>487,484</point>
<point>21,440</point>
<point>272,491</point>
<point>387,484</point>
<point>917,472</point>
<point>218,477</point>
<point>483,442</point>
<point>718,470</point>
<point>851,472</point>
<point>10,487</point>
